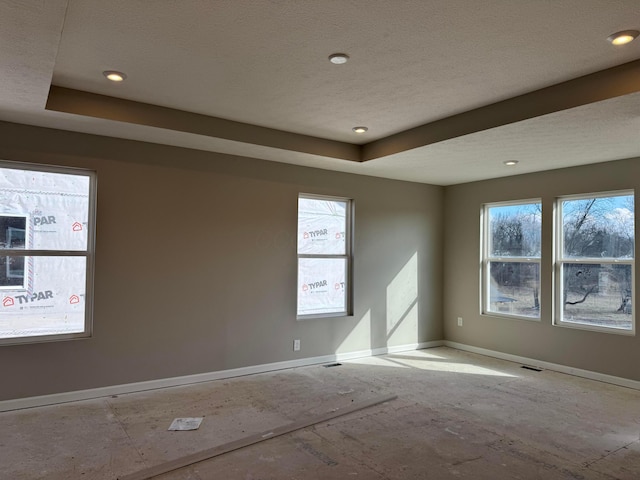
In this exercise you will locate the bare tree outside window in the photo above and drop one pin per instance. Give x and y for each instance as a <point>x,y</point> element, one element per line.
<point>511,258</point>
<point>596,260</point>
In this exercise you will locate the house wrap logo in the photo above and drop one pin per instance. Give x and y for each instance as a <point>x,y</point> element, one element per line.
<point>315,234</point>
<point>76,227</point>
<point>73,299</point>
<point>314,287</point>
<point>22,299</point>
<point>44,220</point>
<point>35,297</point>
<point>40,220</point>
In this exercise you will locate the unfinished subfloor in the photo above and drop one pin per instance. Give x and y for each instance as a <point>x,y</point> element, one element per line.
<point>457,415</point>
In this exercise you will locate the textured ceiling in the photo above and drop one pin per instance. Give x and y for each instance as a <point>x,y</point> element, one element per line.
<point>252,78</point>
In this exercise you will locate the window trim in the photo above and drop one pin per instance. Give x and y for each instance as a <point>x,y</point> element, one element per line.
<point>348,256</point>
<point>88,253</point>
<point>486,259</point>
<point>559,261</point>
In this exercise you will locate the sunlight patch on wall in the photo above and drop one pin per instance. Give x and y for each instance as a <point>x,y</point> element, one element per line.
<point>402,305</point>
<point>406,331</point>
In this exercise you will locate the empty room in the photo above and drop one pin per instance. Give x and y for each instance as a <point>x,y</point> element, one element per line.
<point>295,239</point>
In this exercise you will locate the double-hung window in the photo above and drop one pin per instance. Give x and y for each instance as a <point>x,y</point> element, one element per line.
<point>324,256</point>
<point>594,268</point>
<point>511,259</point>
<point>46,252</point>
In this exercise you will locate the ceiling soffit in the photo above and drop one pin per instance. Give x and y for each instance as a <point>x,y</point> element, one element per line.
<point>603,85</point>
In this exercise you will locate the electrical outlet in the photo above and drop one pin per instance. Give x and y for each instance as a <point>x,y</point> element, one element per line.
<point>459,321</point>
<point>296,345</point>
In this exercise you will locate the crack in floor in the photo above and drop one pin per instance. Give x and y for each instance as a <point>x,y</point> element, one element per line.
<point>589,464</point>
<point>462,462</point>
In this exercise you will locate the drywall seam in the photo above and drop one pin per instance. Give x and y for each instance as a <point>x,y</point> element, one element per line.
<point>56,398</point>
<point>187,460</point>
<point>601,377</point>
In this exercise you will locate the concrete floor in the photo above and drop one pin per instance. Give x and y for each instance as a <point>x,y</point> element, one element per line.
<point>458,415</point>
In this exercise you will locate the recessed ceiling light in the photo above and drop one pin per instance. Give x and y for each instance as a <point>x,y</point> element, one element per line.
<point>338,58</point>
<point>114,76</point>
<point>360,129</point>
<point>510,163</point>
<point>624,37</point>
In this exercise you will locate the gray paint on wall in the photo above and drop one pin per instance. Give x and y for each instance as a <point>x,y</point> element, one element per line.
<point>611,354</point>
<point>196,264</point>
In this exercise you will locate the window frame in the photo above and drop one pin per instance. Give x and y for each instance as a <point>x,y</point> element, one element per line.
<point>88,253</point>
<point>7,266</point>
<point>559,261</point>
<point>347,256</point>
<point>486,259</point>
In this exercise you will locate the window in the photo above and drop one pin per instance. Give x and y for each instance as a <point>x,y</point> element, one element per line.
<point>324,256</point>
<point>46,258</point>
<point>511,259</point>
<point>595,261</point>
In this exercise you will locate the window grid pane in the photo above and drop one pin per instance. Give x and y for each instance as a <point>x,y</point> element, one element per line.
<point>322,226</point>
<point>514,230</point>
<point>600,227</point>
<point>514,288</point>
<point>597,294</point>
<point>322,284</point>
<point>53,303</point>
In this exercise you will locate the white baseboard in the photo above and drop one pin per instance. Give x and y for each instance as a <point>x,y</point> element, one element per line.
<point>43,400</point>
<point>601,377</point>
<point>56,398</point>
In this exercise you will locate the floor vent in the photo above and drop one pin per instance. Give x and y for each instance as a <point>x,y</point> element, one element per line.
<point>532,368</point>
<point>332,365</point>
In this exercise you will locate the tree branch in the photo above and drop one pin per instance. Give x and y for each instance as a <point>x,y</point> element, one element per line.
<point>593,287</point>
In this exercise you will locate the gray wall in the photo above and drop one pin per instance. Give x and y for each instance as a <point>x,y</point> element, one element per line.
<point>606,353</point>
<point>196,265</point>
